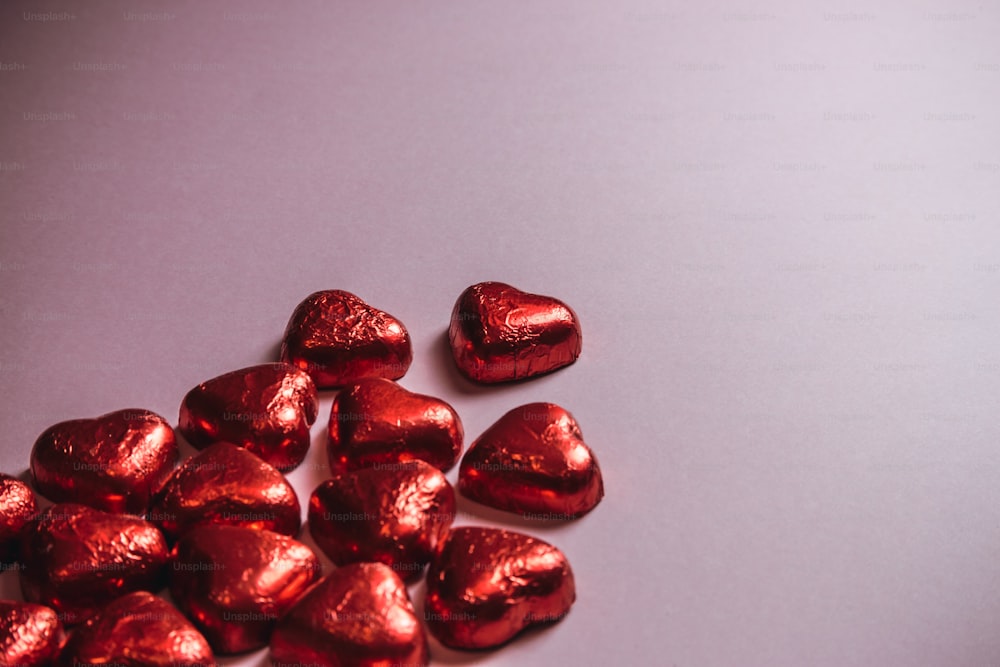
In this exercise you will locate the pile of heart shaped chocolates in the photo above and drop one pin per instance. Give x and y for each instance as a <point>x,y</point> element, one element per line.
<point>219,529</point>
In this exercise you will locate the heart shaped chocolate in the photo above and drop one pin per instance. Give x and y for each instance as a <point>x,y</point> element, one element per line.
<point>267,409</point>
<point>115,462</point>
<point>77,558</point>
<point>338,339</point>
<point>394,514</point>
<point>30,634</point>
<point>533,461</point>
<point>17,508</point>
<point>486,585</point>
<point>235,582</point>
<point>226,484</point>
<point>360,614</point>
<point>377,422</point>
<point>137,630</point>
<point>499,333</point>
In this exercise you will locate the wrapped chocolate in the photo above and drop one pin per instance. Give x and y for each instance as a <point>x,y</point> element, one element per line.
<point>77,559</point>
<point>394,514</point>
<point>226,484</point>
<point>267,408</point>
<point>236,582</point>
<point>376,422</point>
<point>533,461</point>
<point>137,630</point>
<point>486,585</point>
<point>499,333</point>
<point>359,615</point>
<point>116,462</point>
<point>338,339</point>
<point>30,634</point>
<point>17,508</point>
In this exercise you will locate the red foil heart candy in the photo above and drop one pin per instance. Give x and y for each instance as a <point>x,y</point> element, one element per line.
<point>376,422</point>
<point>267,409</point>
<point>359,615</point>
<point>30,634</point>
<point>115,462</point>
<point>235,582</point>
<point>339,339</point>
<point>499,333</point>
<point>137,630</point>
<point>17,508</point>
<point>486,585</point>
<point>226,484</point>
<point>77,558</point>
<point>533,461</point>
<point>394,514</point>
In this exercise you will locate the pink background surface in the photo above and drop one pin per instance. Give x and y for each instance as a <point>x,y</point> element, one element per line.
<point>778,223</point>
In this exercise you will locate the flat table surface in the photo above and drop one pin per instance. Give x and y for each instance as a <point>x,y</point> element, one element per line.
<point>778,223</point>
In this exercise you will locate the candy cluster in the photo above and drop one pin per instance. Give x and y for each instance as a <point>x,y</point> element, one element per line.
<point>219,529</point>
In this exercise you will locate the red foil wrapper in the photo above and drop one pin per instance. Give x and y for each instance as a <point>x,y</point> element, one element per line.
<point>235,582</point>
<point>226,484</point>
<point>394,514</point>
<point>499,333</point>
<point>339,339</point>
<point>137,630</point>
<point>17,508</point>
<point>267,409</point>
<point>115,462</point>
<point>533,461</point>
<point>30,634</point>
<point>378,422</point>
<point>77,558</point>
<point>359,615</point>
<point>487,585</point>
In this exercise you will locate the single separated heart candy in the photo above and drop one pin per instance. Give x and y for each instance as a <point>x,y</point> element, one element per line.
<point>77,558</point>
<point>30,634</point>
<point>267,409</point>
<point>137,630</point>
<point>17,508</point>
<point>499,333</point>
<point>533,461</point>
<point>339,339</point>
<point>486,585</point>
<point>235,582</point>
<point>115,462</point>
<point>376,421</point>
<point>394,514</point>
<point>358,616</point>
<point>226,484</point>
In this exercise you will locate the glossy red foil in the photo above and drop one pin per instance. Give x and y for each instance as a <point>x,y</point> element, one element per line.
<point>358,616</point>
<point>115,462</point>
<point>17,508</point>
<point>30,634</point>
<point>137,630</point>
<point>236,582</point>
<point>226,484</point>
<point>76,559</point>
<point>267,409</point>
<point>499,333</point>
<point>486,585</point>
<point>533,461</point>
<point>394,514</point>
<point>376,421</point>
<point>339,339</point>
